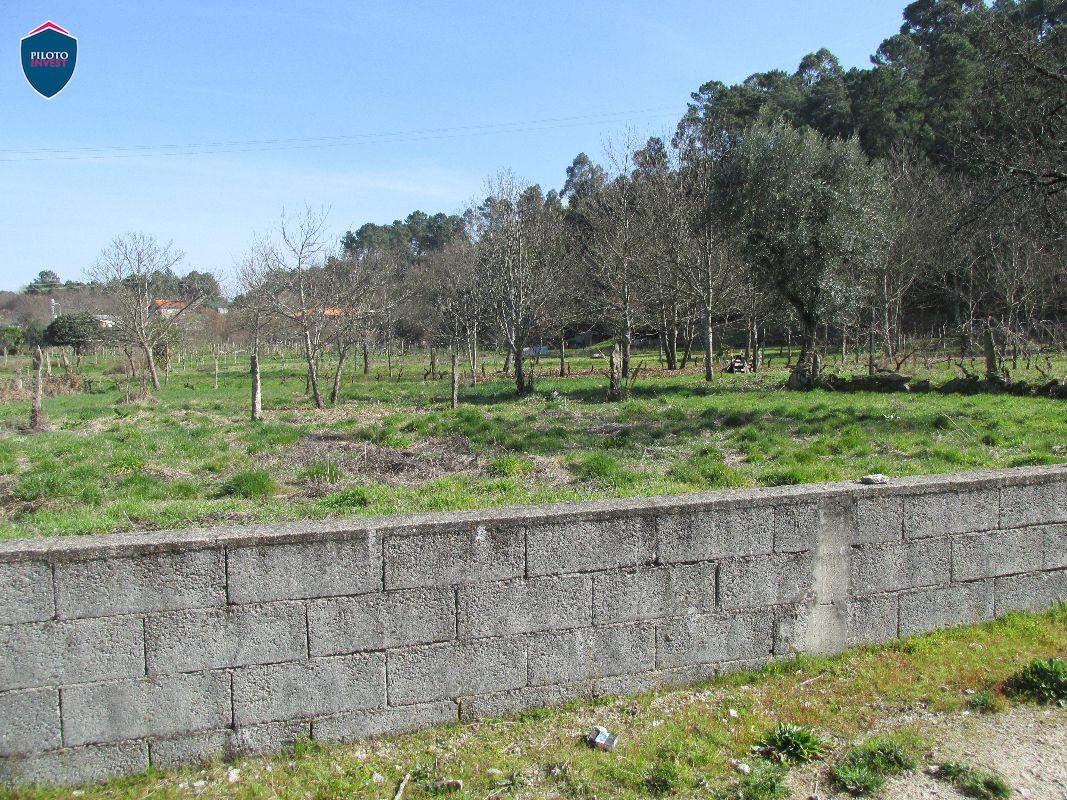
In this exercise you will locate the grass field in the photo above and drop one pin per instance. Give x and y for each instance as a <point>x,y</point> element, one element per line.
<point>672,743</point>
<point>190,455</point>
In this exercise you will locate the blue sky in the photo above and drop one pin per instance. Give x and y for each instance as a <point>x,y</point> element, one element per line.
<point>199,121</point>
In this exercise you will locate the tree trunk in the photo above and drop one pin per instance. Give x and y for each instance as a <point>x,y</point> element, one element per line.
<point>520,374</point>
<point>153,374</point>
<point>709,347</point>
<point>614,383</point>
<point>627,340</point>
<point>806,371</point>
<point>313,377</point>
<point>991,371</point>
<point>216,373</point>
<point>257,391</point>
<point>455,376</point>
<point>341,353</point>
<point>37,420</point>
<point>433,363</point>
<point>507,362</point>
<point>366,356</point>
<point>563,356</point>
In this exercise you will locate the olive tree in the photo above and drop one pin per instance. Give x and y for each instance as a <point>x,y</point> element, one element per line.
<point>811,215</point>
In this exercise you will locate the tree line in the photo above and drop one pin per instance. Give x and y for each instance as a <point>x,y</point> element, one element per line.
<point>923,194</point>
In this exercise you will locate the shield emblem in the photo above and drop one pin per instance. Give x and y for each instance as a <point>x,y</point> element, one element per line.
<point>49,54</point>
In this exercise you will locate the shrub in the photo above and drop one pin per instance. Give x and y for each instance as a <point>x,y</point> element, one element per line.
<point>975,783</point>
<point>1042,681</point>
<point>795,744</point>
<point>250,483</point>
<point>984,702</point>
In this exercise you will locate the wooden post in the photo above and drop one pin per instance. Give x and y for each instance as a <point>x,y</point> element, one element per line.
<point>37,420</point>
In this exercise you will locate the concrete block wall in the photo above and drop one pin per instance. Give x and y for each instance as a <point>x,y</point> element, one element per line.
<point>124,651</point>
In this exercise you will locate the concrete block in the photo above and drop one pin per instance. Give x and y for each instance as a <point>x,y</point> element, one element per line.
<point>75,765</point>
<point>945,607</point>
<point>1033,504</point>
<point>582,545</point>
<point>383,721</point>
<point>25,592</point>
<point>446,558</point>
<point>872,620</point>
<point>167,705</point>
<point>380,620</point>
<point>586,653</point>
<point>952,512</point>
<point>712,638</point>
<point>444,671</point>
<point>197,748</point>
<point>796,524</point>
<point>270,737</point>
<point>715,533</point>
<point>189,641</point>
<point>50,653</point>
<point>1054,546</point>
<point>647,593</point>
<point>982,555</point>
<point>878,519</point>
<point>553,602</point>
<point>29,721</point>
<point>326,568</point>
<point>767,580</point>
<point>1034,592</point>
<point>621,685</point>
<point>499,704</point>
<point>877,568</point>
<point>156,582</point>
<point>302,689</point>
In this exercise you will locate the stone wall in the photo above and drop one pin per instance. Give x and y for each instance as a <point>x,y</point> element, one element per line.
<point>125,651</point>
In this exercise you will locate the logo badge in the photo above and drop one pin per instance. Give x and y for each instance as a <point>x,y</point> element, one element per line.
<point>49,54</point>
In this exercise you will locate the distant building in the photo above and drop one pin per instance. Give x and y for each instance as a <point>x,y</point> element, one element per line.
<point>166,308</point>
<point>107,322</point>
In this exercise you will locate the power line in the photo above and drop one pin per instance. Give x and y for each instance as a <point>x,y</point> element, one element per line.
<point>315,142</point>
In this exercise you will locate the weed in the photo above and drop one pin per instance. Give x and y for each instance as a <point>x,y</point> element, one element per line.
<point>972,782</point>
<point>984,702</point>
<point>791,744</point>
<point>1042,681</point>
<point>250,483</point>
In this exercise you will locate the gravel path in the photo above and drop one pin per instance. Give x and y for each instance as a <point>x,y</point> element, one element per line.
<point>1026,744</point>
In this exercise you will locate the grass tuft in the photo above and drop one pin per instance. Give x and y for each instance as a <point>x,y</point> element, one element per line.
<point>863,769</point>
<point>250,483</point>
<point>972,782</point>
<point>767,781</point>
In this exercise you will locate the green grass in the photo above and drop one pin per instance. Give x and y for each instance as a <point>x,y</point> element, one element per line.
<point>251,484</point>
<point>166,461</point>
<point>677,743</point>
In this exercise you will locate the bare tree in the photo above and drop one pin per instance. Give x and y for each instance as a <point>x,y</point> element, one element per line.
<point>298,286</point>
<point>517,230</point>
<point>132,269</point>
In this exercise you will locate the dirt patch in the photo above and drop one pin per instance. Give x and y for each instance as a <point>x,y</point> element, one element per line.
<point>1026,744</point>
<point>423,461</point>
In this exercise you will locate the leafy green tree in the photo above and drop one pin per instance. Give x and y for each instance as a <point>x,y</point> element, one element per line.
<point>810,214</point>
<point>11,338</point>
<point>45,282</point>
<point>73,330</point>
